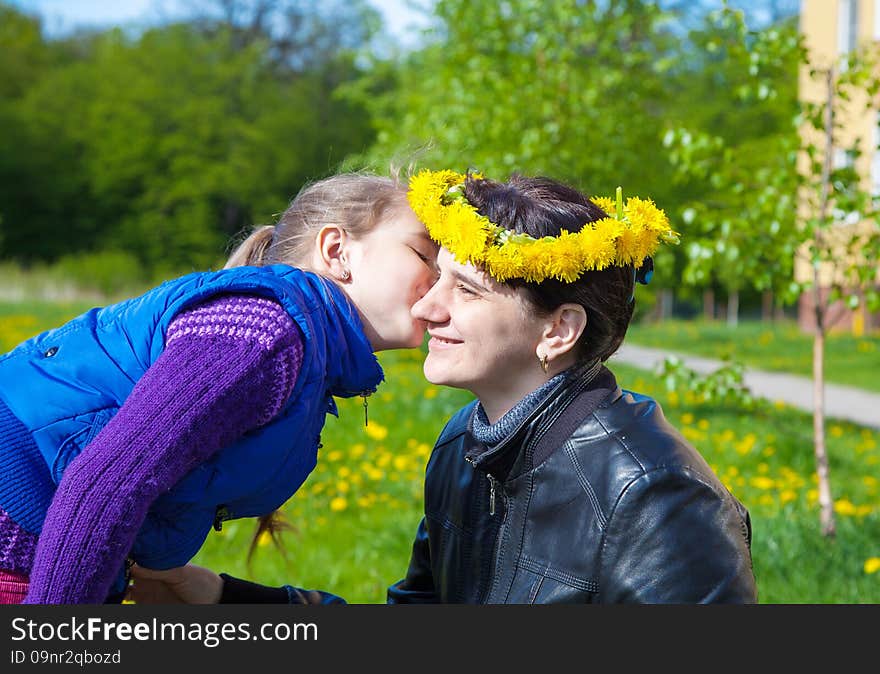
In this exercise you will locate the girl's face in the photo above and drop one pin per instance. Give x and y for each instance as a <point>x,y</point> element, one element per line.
<point>392,267</point>
<point>484,337</point>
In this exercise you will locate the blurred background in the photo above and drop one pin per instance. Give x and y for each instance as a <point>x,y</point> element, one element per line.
<point>139,139</point>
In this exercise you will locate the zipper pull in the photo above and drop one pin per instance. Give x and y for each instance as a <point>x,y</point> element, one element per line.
<point>492,483</point>
<point>364,395</point>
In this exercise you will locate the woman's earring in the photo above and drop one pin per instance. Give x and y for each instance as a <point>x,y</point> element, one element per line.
<point>346,274</point>
<point>545,362</point>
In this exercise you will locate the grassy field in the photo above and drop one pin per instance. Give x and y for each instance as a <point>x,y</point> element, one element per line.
<point>354,519</point>
<point>780,347</point>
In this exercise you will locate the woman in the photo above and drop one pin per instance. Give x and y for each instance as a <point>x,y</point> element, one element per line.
<point>554,485</point>
<point>132,430</point>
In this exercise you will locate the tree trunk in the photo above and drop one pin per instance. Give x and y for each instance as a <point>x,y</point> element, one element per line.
<point>767,306</point>
<point>709,304</point>
<point>732,308</point>
<point>664,304</point>
<point>826,503</point>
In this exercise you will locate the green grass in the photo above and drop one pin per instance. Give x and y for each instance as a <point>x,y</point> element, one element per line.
<point>19,321</point>
<point>355,516</point>
<point>781,347</point>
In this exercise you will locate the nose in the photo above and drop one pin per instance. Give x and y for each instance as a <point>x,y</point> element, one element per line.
<point>430,308</point>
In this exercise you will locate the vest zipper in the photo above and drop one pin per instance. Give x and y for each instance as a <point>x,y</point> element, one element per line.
<point>364,395</point>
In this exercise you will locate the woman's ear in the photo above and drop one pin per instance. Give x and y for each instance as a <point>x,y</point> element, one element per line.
<point>562,331</point>
<point>330,255</point>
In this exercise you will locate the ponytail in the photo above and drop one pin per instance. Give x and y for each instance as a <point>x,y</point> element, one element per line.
<point>254,250</point>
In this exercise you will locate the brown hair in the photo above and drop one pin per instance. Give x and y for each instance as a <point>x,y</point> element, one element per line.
<point>356,202</point>
<point>540,206</point>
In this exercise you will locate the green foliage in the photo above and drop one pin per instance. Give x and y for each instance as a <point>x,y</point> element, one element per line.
<point>107,272</point>
<point>723,386</point>
<point>564,88</point>
<point>736,155</point>
<point>167,143</point>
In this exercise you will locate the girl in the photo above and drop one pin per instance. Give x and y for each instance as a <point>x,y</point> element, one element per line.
<point>129,432</point>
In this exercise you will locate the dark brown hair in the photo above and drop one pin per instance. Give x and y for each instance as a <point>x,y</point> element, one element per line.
<point>540,206</point>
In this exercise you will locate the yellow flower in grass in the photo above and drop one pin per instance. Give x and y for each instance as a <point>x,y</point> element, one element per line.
<point>376,431</point>
<point>787,495</point>
<point>844,507</point>
<point>762,482</point>
<point>338,504</point>
<point>872,565</point>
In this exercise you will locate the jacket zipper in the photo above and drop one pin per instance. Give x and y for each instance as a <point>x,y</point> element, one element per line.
<point>492,484</point>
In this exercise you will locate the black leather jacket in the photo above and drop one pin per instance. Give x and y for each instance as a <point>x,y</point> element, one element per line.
<point>595,498</point>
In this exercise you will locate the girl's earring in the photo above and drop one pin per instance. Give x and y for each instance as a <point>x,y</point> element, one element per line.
<point>545,362</point>
<point>346,274</point>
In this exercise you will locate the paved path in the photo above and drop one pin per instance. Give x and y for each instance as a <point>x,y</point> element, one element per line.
<point>842,402</point>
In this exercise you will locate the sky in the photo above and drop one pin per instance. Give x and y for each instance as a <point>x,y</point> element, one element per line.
<point>60,16</point>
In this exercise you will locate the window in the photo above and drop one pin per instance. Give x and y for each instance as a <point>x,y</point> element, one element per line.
<point>848,26</point>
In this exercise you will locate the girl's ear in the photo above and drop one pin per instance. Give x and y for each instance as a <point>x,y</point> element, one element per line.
<point>330,255</point>
<point>562,331</point>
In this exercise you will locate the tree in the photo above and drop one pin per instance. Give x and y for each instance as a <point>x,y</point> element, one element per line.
<point>735,156</point>
<point>840,236</point>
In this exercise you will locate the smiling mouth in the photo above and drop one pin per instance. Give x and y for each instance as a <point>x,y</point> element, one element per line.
<point>442,341</point>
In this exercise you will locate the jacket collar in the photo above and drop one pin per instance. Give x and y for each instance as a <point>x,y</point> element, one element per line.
<point>352,368</point>
<point>499,458</point>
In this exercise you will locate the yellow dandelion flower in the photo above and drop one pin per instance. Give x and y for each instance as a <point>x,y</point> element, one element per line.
<point>400,462</point>
<point>836,431</point>
<point>567,258</point>
<point>430,392</point>
<point>787,495</point>
<point>761,482</point>
<point>504,262</point>
<point>687,418</point>
<point>703,424</point>
<point>342,487</point>
<point>605,203</point>
<point>376,431</point>
<point>338,504</point>
<point>844,507</point>
<point>335,455</point>
<point>344,471</point>
<point>872,565</point>
<point>264,539</point>
<point>536,257</point>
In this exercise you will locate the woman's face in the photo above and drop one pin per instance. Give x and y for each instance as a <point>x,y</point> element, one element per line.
<point>483,335</point>
<point>391,268</point>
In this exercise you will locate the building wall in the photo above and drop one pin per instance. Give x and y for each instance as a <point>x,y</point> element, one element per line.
<point>828,36</point>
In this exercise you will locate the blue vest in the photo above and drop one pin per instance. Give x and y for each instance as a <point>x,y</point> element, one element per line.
<point>67,383</point>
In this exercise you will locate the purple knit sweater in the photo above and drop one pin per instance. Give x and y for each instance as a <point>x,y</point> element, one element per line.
<point>228,367</point>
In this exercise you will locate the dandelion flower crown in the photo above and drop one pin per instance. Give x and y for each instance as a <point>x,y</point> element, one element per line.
<point>627,237</point>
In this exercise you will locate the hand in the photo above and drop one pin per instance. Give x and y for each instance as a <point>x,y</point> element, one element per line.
<point>188,584</point>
